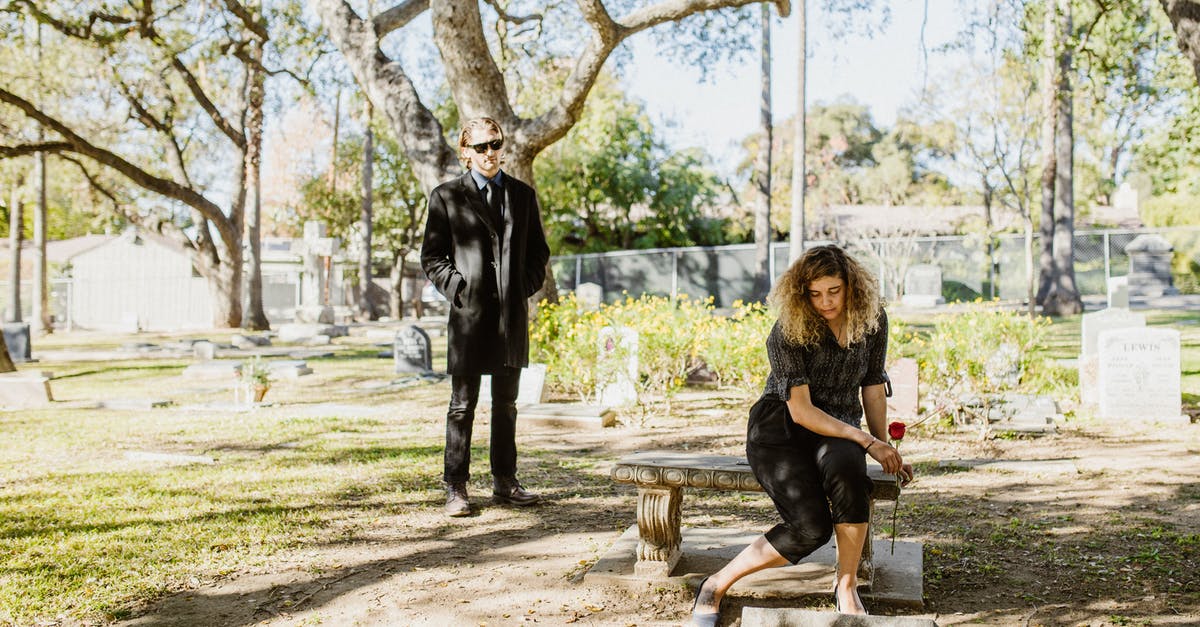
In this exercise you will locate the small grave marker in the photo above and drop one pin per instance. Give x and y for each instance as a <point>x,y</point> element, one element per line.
<point>1140,374</point>
<point>411,351</point>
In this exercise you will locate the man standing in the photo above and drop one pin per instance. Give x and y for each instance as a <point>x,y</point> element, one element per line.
<point>486,252</point>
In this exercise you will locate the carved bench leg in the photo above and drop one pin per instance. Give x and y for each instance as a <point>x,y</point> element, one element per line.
<point>658,531</point>
<point>866,567</point>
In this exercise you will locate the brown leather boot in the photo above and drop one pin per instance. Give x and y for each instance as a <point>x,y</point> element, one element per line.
<point>509,490</point>
<point>457,503</point>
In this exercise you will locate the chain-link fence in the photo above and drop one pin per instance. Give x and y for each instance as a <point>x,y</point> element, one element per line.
<point>970,267</point>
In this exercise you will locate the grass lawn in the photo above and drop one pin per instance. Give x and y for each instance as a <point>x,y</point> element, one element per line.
<point>90,533</point>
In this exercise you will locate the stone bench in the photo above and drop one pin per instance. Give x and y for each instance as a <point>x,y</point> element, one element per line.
<point>660,477</point>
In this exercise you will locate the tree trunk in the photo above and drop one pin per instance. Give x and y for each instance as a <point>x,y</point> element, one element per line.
<point>1050,80</point>
<point>1185,18</point>
<point>799,145</point>
<point>1063,298</point>
<point>366,309</point>
<point>255,318</point>
<point>41,323</point>
<point>762,211</point>
<point>16,228</point>
<point>6,362</point>
<point>396,299</point>
<point>225,285</point>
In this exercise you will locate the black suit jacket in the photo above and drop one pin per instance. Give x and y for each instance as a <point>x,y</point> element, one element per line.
<point>487,271</point>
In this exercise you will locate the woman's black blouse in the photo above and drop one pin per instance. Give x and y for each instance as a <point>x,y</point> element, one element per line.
<point>834,375</point>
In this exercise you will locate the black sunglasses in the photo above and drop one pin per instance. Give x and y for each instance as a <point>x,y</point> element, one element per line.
<point>495,144</point>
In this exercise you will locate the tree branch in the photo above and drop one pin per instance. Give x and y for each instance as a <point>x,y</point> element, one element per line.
<point>398,16</point>
<point>205,103</point>
<point>514,19</point>
<point>474,78</point>
<point>389,87</point>
<point>256,25</point>
<point>142,178</point>
<point>21,150</point>
<point>609,33</point>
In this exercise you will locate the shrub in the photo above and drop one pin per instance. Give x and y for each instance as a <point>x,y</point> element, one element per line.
<point>735,350</point>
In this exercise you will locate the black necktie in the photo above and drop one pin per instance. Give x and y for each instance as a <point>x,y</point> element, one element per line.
<point>495,201</point>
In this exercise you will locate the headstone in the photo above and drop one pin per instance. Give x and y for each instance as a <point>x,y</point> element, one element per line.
<point>1092,325</point>
<point>16,336</point>
<point>1140,375</point>
<point>533,385</point>
<point>204,351</point>
<point>213,370</point>
<point>316,252</point>
<point>530,391</point>
<point>288,368</point>
<point>923,286</point>
<point>794,617</point>
<point>246,342</point>
<point>1150,266</point>
<point>1118,292</point>
<point>617,366</point>
<point>904,400</point>
<point>1125,199</point>
<point>571,416</point>
<point>589,296</point>
<point>303,332</point>
<point>25,389</point>
<point>411,350</point>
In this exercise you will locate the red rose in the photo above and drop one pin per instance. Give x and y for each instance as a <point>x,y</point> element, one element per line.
<point>896,430</point>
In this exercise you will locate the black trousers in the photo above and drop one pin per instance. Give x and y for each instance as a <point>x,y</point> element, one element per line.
<point>464,396</point>
<point>815,481</point>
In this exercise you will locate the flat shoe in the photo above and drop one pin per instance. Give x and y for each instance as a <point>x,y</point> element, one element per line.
<point>704,620</point>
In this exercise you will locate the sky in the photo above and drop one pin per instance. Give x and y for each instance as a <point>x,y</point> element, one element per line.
<point>885,71</point>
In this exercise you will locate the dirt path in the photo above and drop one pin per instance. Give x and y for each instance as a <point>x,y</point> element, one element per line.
<point>1097,525</point>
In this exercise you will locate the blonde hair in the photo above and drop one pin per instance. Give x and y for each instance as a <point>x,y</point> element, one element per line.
<point>475,124</point>
<point>800,322</point>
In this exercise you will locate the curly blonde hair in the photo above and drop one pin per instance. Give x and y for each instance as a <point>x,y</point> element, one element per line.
<point>799,320</point>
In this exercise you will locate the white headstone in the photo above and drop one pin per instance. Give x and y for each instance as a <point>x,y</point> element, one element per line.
<point>531,390</point>
<point>1092,325</point>
<point>1140,374</point>
<point>1125,199</point>
<point>923,286</point>
<point>904,400</point>
<point>204,351</point>
<point>618,366</point>
<point>589,296</point>
<point>24,389</point>
<point>1118,292</point>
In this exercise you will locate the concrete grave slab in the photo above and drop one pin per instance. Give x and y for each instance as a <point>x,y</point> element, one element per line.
<point>793,617</point>
<point>897,580</point>
<point>210,370</point>
<point>23,389</point>
<point>289,368</point>
<point>568,415</point>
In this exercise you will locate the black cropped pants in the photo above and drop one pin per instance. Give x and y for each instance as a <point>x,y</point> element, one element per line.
<point>815,481</point>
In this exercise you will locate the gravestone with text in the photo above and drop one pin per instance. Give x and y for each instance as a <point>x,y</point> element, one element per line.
<point>1091,326</point>
<point>411,351</point>
<point>617,366</point>
<point>1140,375</point>
<point>923,286</point>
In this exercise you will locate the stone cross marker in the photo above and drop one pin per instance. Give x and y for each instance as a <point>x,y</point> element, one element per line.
<point>618,364</point>
<point>1140,375</point>
<point>317,252</point>
<point>923,286</point>
<point>411,350</point>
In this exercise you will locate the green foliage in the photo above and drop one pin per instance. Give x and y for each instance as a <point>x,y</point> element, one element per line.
<point>735,350</point>
<point>597,183</point>
<point>673,338</point>
<point>1178,209</point>
<point>974,355</point>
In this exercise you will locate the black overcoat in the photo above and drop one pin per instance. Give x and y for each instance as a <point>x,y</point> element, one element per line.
<point>465,255</point>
